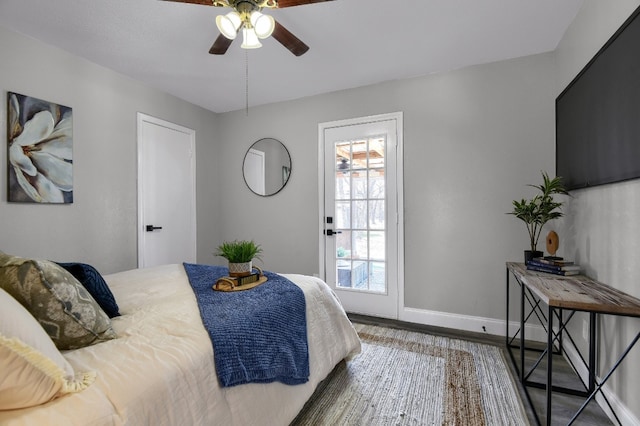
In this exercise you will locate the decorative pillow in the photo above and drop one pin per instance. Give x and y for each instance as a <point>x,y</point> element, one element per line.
<point>62,306</point>
<point>91,279</point>
<point>33,370</point>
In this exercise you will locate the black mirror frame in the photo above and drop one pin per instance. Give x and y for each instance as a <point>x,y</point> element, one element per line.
<point>289,171</point>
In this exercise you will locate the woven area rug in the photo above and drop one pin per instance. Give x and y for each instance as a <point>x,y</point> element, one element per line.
<point>408,378</point>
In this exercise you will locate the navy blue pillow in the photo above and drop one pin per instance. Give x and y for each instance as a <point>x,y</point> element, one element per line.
<point>91,279</point>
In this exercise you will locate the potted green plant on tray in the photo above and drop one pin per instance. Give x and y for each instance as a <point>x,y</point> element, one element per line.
<point>539,210</point>
<point>240,255</point>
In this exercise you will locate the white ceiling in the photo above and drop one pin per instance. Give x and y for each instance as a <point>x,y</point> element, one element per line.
<point>352,42</point>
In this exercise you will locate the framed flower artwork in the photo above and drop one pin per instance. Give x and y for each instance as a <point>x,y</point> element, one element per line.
<point>40,151</point>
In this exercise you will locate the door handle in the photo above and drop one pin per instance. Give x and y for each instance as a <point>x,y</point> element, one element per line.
<point>151,228</point>
<point>331,232</point>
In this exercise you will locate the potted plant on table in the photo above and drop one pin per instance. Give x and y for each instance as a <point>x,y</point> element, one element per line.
<point>539,210</point>
<point>240,255</point>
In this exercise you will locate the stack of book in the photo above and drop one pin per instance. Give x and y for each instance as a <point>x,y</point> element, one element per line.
<point>244,282</point>
<point>553,265</point>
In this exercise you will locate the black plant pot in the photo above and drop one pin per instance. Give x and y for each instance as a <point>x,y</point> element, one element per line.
<point>531,254</point>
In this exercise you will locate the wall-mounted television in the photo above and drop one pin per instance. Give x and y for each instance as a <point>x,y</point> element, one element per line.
<point>598,115</point>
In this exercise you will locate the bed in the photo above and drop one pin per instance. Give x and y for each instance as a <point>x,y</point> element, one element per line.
<point>160,369</point>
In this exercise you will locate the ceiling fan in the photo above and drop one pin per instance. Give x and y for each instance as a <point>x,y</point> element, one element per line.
<point>247,16</point>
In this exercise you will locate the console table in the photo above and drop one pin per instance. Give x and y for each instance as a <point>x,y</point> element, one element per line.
<point>559,293</point>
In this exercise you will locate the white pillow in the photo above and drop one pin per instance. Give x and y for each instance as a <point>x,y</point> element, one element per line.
<point>33,371</point>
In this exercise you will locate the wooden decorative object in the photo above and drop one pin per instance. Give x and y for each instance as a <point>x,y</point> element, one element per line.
<point>553,242</point>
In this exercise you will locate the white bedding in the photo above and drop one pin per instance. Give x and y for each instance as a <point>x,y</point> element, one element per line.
<point>160,370</point>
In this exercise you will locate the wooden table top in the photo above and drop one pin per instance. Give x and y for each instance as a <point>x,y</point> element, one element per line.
<point>576,292</point>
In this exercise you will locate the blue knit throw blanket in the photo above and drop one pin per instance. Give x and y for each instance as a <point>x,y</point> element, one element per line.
<point>258,335</point>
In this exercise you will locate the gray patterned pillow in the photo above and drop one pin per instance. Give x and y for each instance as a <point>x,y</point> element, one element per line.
<point>57,300</point>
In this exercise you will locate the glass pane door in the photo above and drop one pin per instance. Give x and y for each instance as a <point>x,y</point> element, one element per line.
<point>360,250</point>
<point>360,219</point>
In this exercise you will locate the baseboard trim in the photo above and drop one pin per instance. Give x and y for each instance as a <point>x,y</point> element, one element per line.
<point>470,323</point>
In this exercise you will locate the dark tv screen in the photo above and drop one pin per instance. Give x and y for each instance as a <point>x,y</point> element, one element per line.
<point>598,115</point>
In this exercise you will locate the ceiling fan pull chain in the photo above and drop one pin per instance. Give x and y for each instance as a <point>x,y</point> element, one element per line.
<point>246,81</point>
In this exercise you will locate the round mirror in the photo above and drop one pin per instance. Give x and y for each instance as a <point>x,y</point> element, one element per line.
<point>266,167</point>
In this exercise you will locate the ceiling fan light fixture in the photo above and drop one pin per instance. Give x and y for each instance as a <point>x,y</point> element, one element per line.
<point>250,39</point>
<point>228,24</point>
<point>262,24</point>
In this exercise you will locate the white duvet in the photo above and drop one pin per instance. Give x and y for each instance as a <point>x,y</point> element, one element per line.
<point>160,370</point>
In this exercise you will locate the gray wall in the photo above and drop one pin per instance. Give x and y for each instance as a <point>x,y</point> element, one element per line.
<point>473,139</point>
<point>602,229</point>
<point>100,226</point>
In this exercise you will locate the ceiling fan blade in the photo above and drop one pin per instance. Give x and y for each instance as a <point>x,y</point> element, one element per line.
<point>288,40</point>
<point>220,46</point>
<point>204,2</point>
<point>290,3</point>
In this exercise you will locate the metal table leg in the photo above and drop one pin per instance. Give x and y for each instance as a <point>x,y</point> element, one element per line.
<point>549,365</point>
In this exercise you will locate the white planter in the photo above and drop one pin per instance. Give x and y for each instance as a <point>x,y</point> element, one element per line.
<point>240,269</point>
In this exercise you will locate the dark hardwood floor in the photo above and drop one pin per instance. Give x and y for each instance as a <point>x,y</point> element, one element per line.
<point>564,406</point>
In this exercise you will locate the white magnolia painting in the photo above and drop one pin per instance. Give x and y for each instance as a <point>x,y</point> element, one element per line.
<point>40,150</point>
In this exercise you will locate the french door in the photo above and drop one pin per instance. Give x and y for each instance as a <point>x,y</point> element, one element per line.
<point>360,239</point>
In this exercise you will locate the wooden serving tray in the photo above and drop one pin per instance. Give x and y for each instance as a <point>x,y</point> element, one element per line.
<point>229,284</point>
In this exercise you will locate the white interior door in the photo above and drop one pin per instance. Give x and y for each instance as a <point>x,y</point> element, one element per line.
<point>360,185</point>
<point>254,171</point>
<point>166,193</point>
